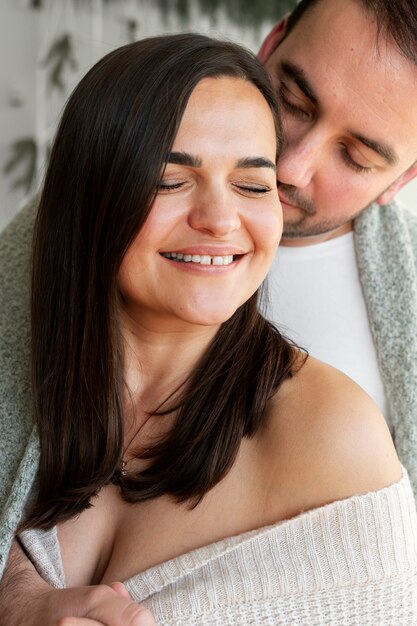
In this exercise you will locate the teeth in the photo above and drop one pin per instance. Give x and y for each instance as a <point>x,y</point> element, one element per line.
<point>201,259</point>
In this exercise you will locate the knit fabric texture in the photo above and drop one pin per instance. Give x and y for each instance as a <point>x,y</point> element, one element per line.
<point>386,247</point>
<point>353,562</point>
<point>18,442</point>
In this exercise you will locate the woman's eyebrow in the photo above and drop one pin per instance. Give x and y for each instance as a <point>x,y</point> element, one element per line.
<point>184,158</point>
<point>255,162</point>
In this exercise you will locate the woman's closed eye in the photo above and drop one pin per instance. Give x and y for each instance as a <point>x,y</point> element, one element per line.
<point>170,185</point>
<point>252,189</point>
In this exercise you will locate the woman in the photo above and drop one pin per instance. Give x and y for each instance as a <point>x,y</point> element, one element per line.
<point>187,448</point>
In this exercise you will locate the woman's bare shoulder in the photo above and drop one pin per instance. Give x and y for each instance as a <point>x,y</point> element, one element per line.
<point>326,439</point>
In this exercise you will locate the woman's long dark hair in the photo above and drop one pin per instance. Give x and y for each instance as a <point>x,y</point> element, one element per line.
<point>110,150</point>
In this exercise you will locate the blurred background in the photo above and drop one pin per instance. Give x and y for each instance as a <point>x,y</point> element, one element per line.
<point>46,46</point>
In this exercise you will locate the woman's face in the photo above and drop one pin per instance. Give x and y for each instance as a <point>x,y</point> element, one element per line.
<point>216,221</point>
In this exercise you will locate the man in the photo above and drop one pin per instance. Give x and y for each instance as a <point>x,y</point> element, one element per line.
<point>349,103</point>
<point>344,284</point>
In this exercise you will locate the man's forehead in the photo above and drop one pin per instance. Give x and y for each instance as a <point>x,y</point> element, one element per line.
<point>329,20</point>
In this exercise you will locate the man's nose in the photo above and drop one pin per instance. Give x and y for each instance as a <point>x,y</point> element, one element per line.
<point>299,160</point>
<point>214,213</point>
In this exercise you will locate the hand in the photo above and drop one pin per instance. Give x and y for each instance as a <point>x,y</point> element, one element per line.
<point>108,606</point>
<point>25,598</point>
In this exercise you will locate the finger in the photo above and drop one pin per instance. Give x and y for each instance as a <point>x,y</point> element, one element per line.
<point>143,617</point>
<point>122,611</point>
<point>120,589</point>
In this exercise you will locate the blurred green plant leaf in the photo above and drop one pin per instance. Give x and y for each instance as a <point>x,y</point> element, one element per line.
<point>23,156</point>
<point>88,3</point>
<point>132,27</point>
<point>242,12</point>
<point>249,13</point>
<point>59,58</point>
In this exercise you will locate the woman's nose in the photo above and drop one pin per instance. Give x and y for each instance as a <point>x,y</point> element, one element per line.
<point>215,213</point>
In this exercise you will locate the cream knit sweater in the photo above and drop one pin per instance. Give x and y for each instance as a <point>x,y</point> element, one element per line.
<point>352,562</point>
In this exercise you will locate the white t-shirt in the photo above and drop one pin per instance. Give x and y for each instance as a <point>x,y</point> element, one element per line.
<point>315,298</point>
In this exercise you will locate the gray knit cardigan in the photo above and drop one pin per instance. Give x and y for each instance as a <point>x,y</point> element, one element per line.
<point>386,244</point>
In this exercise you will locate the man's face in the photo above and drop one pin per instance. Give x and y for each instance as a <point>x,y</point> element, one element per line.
<point>349,108</point>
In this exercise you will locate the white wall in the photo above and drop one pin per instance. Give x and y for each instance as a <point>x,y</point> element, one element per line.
<point>17,90</point>
<point>408,195</point>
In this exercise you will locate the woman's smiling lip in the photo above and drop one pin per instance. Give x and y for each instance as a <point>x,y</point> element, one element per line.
<point>209,250</point>
<point>206,259</point>
<point>206,269</point>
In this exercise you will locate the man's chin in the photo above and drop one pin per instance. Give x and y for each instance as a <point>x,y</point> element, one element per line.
<point>291,231</point>
<point>307,226</point>
<point>314,232</point>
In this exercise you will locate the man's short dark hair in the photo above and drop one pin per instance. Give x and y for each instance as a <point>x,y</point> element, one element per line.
<point>396,20</point>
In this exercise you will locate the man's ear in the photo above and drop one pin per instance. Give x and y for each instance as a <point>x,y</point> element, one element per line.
<point>389,194</point>
<point>273,40</point>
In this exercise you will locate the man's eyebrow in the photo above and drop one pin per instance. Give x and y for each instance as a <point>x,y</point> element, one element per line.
<point>382,149</point>
<point>184,158</point>
<point>298,76</point>
<point>248,162</point>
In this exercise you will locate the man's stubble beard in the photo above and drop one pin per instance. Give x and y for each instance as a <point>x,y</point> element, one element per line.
<point>299,228</point>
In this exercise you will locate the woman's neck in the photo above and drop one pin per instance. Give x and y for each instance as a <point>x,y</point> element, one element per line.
<point>158,359</point>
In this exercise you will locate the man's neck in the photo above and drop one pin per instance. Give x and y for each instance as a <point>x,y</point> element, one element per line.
<point>295,242</point>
